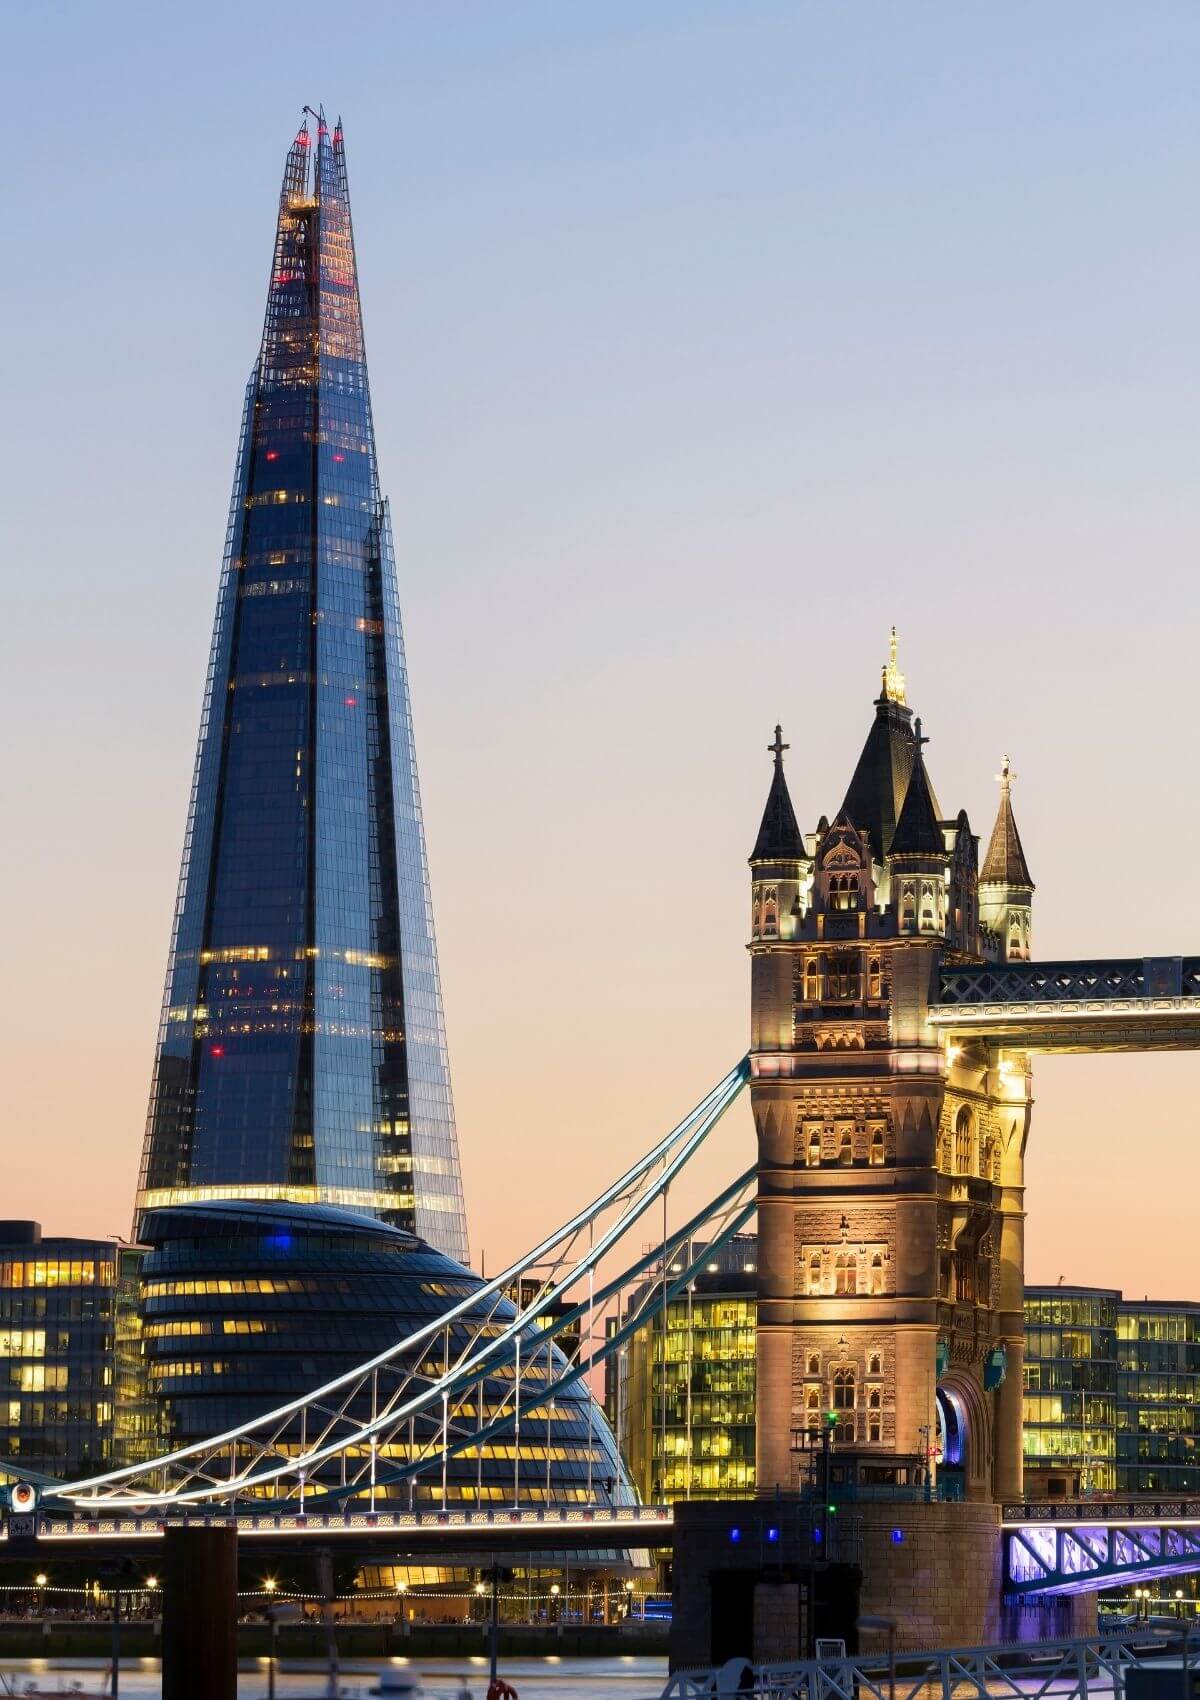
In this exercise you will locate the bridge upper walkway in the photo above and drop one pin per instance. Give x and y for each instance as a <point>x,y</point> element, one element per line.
<point>1115,1004</point>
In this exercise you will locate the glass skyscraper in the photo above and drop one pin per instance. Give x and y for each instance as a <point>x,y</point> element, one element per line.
<point>302,1054</point>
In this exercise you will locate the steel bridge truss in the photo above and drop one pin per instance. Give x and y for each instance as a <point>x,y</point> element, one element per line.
<point>1081,1549</point>
<point>358,1434</point>
<point>1122,1004</point>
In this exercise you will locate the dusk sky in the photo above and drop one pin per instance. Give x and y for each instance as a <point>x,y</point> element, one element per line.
<point>706,342</point>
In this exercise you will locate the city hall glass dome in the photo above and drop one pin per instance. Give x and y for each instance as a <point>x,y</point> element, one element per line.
<point>245,1306</point>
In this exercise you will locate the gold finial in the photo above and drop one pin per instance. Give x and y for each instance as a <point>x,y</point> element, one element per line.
<point>893,678</point>
<point>1006,778</point>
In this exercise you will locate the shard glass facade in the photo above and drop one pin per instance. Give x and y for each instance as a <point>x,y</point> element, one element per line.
<point>302,1052</point>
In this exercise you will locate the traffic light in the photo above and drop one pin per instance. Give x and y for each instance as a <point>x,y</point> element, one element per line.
<point>831,1418</point>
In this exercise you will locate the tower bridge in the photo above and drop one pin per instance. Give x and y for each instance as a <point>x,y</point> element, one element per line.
<point>895,1009</point>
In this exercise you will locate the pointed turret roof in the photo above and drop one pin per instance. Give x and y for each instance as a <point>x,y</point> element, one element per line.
<point>779,838</point>
<point>1005,862</point>
<point>917,831</point>
<point>880,781</point>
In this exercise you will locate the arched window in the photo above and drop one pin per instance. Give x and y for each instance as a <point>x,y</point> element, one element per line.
<point>928,918</point>
<point>842,980</point>
<point>814,1272</point>
<point>964,1142</point>
<point>845,1148</point>
<point>877,1272</point>
<point>812,1408</point>
<point>874,1417</point>
<point>877,1149</point>
<point>814,1366</point>
<point>812,981</point>
<point>873,1364</point>
<point>875,978</point>
<point>843,1403</point>
<point>770,911</point>
<point>814,1147</point>
<point>845,1274</point>
<point>908,907</point>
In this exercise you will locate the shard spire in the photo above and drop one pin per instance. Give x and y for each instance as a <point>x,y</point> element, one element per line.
<point>302,1051</point>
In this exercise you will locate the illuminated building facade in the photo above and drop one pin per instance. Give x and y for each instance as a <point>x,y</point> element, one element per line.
<point>1158,1396</point>
<point>245,1306</point>
<point>58,1305</point>
<point>1070,1401</point>
<point>682,1399</point>
<point>302,1052</point>
<point>890,1205</point>
<point>1112,1393</point>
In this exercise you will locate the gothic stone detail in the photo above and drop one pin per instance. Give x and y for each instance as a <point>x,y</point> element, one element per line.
<point>890,1163</point>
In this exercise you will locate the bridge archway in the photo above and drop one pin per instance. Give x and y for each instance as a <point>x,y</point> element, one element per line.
<point>964,1434</point>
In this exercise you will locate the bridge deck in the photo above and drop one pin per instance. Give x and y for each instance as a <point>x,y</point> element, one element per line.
<point>556,1527</point>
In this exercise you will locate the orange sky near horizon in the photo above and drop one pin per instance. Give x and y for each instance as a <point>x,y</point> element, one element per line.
<point>705,344</point>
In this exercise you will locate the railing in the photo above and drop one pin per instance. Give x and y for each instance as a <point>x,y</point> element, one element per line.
<point>1066,1670</point>
<point>1070,982</point>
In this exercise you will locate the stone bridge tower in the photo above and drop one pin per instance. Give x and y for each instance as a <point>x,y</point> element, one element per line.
<point>890,1196</point>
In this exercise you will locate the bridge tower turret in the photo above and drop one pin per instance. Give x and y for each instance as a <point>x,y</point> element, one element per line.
<point>1005,887</point>
<point>890,1259</point>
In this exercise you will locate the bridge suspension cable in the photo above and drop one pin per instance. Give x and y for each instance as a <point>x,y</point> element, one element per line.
<point>366,1416</point>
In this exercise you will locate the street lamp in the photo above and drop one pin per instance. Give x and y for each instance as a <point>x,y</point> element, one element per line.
<point>152,1583</point>
<point>269,1584</point>
<point>41,1578</point>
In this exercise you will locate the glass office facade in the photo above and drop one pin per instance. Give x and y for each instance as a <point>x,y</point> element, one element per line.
<point>302,1053</point>
<point>58,1300</point>
<point>682,1398</point>
<point>245,1306</point>
<point>1158,1396</point>
<point>1070,1393</point>
<point>1112,1391</point>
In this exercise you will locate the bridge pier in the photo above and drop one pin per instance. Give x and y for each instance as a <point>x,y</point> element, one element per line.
<point>199,1640</point>
<point>745,1571</point>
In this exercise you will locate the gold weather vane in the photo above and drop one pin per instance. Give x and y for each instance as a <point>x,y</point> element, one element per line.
<point>893,678</point>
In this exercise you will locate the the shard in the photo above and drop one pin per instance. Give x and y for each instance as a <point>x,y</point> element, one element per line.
<point>302,1053</point>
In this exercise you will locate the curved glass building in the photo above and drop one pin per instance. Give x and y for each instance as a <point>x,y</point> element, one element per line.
<point>246,1306</point>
